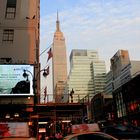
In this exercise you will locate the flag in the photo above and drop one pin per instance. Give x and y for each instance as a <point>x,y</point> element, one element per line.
<point>49,54</point>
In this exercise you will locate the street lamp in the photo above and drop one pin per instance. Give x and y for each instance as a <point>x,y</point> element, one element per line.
<point>25,75</point>
<point>71,95</point>
<point>34,79</point>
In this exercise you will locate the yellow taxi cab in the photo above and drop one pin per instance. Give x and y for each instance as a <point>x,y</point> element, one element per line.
<point>90,136</point>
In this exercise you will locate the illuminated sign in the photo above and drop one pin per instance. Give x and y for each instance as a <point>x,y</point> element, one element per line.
<point>78,128</point>
<point>12,81</point>
<point>14,129</point>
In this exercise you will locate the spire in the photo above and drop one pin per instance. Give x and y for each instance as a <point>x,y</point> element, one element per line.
<point>57,16</point>
<point>57,23</point>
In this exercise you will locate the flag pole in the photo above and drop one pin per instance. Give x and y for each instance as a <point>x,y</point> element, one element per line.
<point>45,94</point>
<point>53,74</point>
<point>48,65</point>
<point>50,55</point>
<point>45,50</point>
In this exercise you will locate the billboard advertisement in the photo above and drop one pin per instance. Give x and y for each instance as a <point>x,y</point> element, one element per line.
<point>13,82</point>
<point>14,129</point>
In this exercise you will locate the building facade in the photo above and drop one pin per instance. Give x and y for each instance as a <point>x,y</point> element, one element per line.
<point>127,102</point>
<point>123,68</point>
<point>19,31</point>
<point>19,49</point>
<point>87,75</point>
<point>109,83</point>
<point>59,61</point>
<point>102,108</point>
<point>125,77</point>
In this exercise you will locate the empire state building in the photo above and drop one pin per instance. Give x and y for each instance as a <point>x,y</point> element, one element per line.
<point>59,63</point>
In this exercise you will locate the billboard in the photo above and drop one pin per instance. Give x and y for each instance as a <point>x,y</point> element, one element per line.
<point>14,129</point>
<point>12,81</point>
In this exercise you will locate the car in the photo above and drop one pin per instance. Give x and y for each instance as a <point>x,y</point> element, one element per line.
<point>90,136</point>
<point>123,131</point>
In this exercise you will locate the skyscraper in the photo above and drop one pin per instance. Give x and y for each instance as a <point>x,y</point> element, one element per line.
<point>87,74</point>
<point>123,69</point>
<point>59,61</point>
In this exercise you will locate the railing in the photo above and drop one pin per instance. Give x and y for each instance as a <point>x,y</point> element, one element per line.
<point>66,98</point>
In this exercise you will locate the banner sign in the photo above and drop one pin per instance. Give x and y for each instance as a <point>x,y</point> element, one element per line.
<point>14,129</point>
<point>85,127</point>
<point>12,81</point>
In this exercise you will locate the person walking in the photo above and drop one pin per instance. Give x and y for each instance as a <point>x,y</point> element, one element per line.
<point>43,137</point>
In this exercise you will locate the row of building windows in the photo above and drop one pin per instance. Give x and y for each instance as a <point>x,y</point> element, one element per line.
<point>8,34</point>
<point>10,9</point>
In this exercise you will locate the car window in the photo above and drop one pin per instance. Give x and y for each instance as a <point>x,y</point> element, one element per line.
<point>74,138</point>
<point>94,137</point>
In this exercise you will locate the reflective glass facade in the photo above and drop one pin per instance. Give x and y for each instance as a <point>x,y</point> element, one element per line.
<point>87,74</point>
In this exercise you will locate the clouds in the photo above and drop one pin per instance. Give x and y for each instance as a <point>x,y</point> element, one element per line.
<point>103,25</point>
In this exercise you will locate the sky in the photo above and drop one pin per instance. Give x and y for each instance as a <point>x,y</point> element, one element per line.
<point>102,25</point>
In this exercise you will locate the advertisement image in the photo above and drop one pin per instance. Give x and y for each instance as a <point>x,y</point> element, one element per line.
<point>16,79</point>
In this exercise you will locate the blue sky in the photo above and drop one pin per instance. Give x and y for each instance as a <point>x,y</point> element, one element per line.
<point>102,25</point>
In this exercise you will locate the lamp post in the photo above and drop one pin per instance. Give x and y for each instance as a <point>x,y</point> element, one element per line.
<point>71,95</point>
<point>25,75</point>
<point>34,80</point>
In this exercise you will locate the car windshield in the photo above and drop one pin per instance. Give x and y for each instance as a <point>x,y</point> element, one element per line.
<point>92,137</point>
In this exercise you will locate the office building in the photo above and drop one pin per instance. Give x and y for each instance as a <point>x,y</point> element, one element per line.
<point>109,83</point>
<point>123,69</point>
<point>125,79</point>
<point>87,75</point>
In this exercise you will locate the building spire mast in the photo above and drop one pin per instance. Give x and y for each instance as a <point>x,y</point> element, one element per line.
<point>57,16</point>
<point>57,23</point>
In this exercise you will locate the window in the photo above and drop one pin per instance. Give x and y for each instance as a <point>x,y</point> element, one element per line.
<point>74,138</point>
<point>8,35</point>
<point>10,9</point>
<point>94,137</point>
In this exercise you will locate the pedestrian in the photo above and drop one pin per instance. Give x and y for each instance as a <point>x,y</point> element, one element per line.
<point>43,137</point>
<point>58,136</point>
